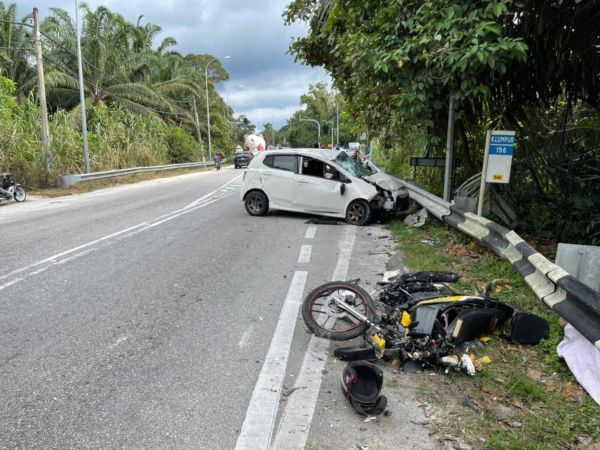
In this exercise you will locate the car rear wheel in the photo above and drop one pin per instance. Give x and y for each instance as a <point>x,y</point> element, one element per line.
<point>358,213</point>
<point>257,203</point>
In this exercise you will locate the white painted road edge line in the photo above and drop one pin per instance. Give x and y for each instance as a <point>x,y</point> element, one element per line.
<point>126,233</point>
<point>260,415</point>
<point>297,416</point>
<point>305,252</point>
<point>310,233</point>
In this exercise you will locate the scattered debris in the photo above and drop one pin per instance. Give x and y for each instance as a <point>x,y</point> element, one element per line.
<point>428,242</point>
<point>416,220</point>
<point>574,393</point>
<point>583,360</point>
<point>288,393</point>
<point>460,251</point>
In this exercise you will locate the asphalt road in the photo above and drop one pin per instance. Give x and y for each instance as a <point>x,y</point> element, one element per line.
<point>140,317</point>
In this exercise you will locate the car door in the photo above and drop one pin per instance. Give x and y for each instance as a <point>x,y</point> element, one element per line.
<point>277,175</point>
<point>318,193</point>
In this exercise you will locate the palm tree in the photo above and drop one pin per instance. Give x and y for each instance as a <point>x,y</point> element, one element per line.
<point>15,39</point>
<point>118,61</point>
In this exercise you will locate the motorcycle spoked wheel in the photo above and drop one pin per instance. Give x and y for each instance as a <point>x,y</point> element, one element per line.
<point>325,319</point>
<point>20,195</point>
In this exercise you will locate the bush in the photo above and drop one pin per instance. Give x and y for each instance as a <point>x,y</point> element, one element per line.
<point>182,147</point>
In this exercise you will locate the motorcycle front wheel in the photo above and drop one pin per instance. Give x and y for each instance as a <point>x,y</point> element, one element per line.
<point>20,194</point>
<point>327,320</point>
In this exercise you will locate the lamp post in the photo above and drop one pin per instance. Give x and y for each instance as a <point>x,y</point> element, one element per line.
<point>86,156</point>
<point>272,128</point>
<point>319,129</point>
<point>208,106</point>
<point>337,111</point>
<point>241,86</point>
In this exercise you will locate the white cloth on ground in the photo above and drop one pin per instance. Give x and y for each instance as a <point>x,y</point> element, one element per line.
<point>583,360</point>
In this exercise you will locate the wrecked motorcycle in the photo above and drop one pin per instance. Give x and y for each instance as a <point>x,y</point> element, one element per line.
<point>416,319</point>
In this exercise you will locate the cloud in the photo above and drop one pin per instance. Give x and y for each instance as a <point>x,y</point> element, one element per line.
<point>252,33</point>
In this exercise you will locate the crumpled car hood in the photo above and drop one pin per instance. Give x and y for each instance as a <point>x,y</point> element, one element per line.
<point>384,181</point>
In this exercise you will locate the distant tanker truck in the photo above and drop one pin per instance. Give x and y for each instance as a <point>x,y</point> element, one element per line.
<point>254,143</point>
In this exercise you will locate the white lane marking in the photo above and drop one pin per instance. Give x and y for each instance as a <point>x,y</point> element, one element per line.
<point>201,199</point>
<point>244,339</point>
<point>297,416</point>
<point>59,202</point>
<point>310,233</point>
<point>260,416</point>
<point>305,252</point>
<point>128,232</point>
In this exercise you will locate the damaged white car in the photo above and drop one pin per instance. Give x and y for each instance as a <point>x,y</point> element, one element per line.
<point>324,182</point>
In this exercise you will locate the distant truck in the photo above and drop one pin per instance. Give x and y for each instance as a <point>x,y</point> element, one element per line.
<point>254,143</point>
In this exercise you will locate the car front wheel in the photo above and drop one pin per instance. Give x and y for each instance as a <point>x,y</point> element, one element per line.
<point>358,213</point>
<point>257,203</point>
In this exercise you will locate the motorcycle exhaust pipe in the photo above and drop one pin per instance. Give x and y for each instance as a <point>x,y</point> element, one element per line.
<point>366,351</point>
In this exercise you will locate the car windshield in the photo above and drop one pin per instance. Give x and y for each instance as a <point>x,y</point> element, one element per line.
<point>345,162</point>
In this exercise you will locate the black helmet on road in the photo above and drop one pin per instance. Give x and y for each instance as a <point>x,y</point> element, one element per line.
<point>361,383</point>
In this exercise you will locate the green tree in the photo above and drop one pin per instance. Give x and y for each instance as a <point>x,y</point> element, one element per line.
<point>119,61</point>
<point>15,40</point>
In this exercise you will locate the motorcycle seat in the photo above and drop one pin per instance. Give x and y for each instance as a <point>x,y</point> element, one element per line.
<point>432,277</point>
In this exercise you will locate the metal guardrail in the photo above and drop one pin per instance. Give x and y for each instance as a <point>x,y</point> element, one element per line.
<point>577,303</point>
<point>72,180</point>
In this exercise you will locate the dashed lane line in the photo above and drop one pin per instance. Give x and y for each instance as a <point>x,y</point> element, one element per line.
<point>297,417</point>
<point>260,416</point>
<point>305,253</point>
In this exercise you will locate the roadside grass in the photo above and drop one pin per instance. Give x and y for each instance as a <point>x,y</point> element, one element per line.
<point>89,186</point>
<point>526,398</point>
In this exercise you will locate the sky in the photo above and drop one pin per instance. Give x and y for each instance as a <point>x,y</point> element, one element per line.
<point>251,32</point>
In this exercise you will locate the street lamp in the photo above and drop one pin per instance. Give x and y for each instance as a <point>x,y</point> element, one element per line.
<point>319,129</point>
<point>337,110</point>
<point>86,156</point>
<point>272,128</point>
<point>241,86</point>
<point>208,106</point>
<point>283,106</point>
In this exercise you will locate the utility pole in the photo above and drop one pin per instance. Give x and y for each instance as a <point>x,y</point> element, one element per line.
<point>449,169</point>
<point>332,138</point>
<point>86,155</point>
<point>198,128</point>
<point>42,89</point>
<point>208,105</point>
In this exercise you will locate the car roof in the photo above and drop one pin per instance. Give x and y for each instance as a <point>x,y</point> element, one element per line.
<point>315,152</point>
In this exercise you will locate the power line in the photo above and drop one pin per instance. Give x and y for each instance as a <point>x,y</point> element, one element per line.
<point>17,49</point>
<point>94,67</point>
<point>16,23</point>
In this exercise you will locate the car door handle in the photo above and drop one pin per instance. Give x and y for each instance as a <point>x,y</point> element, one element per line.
<point>302,180</point>
<point>266,173</point>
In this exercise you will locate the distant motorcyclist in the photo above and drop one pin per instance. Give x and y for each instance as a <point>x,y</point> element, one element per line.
<point>4,193</point>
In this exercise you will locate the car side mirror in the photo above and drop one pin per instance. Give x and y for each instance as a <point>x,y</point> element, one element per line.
<point>343,178</point>
<point>342,189</point>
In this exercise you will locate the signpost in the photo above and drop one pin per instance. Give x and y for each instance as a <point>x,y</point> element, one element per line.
<point>497,161</point>
<point>353,145</point>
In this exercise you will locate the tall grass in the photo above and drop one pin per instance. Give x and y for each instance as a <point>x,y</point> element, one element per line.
<point>117,139</point>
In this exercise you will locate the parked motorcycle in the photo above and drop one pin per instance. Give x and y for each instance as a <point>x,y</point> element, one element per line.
<point>14,189</point>
<point>416,317</point>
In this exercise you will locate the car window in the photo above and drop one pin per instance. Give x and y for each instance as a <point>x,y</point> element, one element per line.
<point>281,162</point>
<point>344,161</point>
<point>316,168</point>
